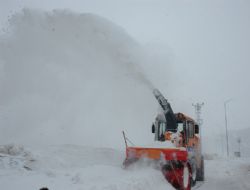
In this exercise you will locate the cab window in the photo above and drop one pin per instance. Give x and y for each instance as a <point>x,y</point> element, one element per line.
<point>162,130</point>
<point>190,130</point>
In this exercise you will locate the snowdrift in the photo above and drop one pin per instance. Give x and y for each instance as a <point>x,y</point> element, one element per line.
<point>70,78</point>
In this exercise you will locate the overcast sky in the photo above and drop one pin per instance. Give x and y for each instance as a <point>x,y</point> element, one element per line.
<point>207,44</point>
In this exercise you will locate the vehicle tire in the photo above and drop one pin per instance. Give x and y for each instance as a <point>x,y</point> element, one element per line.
<point>186,177</point>
<point>194,173</point>
<point>200,171</point>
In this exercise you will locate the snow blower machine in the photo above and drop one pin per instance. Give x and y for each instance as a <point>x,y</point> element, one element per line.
<point>182,163</point>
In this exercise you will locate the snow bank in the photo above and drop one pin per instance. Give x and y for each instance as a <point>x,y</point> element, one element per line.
<point>11,149</point>
<point>69,78</point>
<point>14,156</point>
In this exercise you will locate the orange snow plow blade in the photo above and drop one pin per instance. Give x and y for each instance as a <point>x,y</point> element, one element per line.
<point>156,153</point>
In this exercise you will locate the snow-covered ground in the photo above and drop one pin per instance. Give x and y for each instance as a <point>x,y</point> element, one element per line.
<point>85,168</point>
<point>74,167</point>
<point>227,174</point>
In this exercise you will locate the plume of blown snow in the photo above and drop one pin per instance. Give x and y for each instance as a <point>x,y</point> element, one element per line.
<point>69,78</point>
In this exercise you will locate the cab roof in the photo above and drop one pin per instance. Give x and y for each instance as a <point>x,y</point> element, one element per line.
<point>180,117</point>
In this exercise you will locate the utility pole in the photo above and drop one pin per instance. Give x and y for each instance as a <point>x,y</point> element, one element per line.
<point>225,109</point>
<point>197,108</point>
<point>239,141</point>
<point>222,144</point>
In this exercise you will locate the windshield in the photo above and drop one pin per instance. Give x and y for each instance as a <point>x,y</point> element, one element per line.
<point>180,127</point>
<point>162,130</point>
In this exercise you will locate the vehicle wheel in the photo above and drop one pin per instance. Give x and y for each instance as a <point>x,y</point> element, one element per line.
<point>178,174</point>
<point>200,171</point>
<point>194,173</point>
<point>186,177</point>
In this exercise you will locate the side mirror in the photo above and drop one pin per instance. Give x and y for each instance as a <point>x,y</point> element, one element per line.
<point>153,128</point>
<point>196,129</point>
